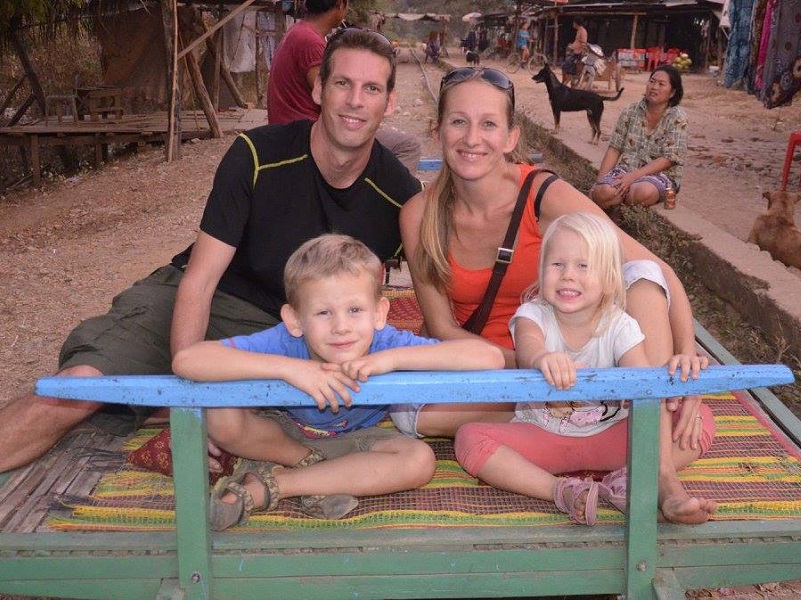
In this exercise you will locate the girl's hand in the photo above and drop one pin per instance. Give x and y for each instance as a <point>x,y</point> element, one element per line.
<point>324,382</point>
<point>558,369</point>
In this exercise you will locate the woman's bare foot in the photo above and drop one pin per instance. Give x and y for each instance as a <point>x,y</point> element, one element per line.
<point>686,510</point>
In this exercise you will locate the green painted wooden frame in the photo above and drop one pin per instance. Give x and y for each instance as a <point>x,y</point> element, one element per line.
<point>642,559</point>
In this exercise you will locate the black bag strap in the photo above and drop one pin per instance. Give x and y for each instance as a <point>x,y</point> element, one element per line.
<point>475,323</point>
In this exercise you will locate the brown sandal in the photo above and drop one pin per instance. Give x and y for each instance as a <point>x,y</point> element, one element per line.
<point>228,514</point>
<point>332,506</point>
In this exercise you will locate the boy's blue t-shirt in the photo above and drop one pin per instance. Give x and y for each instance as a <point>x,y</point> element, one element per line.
<point>313,421</point>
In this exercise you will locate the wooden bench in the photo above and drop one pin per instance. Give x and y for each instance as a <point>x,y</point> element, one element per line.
<point>642,559</point>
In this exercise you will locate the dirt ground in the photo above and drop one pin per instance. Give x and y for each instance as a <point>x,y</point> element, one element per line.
<point>67,248</point>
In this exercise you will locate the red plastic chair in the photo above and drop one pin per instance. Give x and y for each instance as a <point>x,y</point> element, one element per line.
<point>795,140</point>
<point>654,56</point>
<point>671,54</point>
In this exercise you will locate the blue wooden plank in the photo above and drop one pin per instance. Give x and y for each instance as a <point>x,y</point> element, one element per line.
<point>425,386</point>
<point>429,164</point>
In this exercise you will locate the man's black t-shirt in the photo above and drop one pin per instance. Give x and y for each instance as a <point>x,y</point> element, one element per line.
<point>269,197</point>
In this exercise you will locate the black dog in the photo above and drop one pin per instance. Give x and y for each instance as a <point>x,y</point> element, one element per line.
<point>565,99</point>
<point>472,58</point>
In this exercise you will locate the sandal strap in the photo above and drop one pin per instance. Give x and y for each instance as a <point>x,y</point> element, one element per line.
<point>247,499</point>
<point>265,472</point>
<point>312,458</point>
<point>574,487</point>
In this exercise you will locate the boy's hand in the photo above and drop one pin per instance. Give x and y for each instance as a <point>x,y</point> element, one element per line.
<point>325,382</point>
<point>688,427</point>
<point>372,364</point>
<point>558,369</point>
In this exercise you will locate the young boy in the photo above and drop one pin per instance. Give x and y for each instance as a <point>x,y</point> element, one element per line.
<point>333,336</point>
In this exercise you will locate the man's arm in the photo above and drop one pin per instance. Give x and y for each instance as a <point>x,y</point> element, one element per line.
<point>190,317</point>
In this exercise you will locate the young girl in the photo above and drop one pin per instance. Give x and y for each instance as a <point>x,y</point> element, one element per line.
<point>576,320</point>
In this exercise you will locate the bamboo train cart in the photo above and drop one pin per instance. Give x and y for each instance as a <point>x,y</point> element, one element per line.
<point>638,557</point>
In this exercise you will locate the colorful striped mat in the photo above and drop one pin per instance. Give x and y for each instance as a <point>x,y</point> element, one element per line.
<point>751,470</point>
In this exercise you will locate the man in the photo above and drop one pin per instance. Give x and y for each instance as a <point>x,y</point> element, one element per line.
<point>295,67</point>
<point>575,51</point>
<point>276,187</point>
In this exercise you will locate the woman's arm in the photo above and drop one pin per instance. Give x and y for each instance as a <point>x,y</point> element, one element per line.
<point>611,156</point>
<point>434,304</point>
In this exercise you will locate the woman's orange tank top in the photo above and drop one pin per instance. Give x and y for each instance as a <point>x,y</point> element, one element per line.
<point>468,285</point>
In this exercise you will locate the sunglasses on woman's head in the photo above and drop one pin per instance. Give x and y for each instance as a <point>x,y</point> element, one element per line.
<point>488,74</point>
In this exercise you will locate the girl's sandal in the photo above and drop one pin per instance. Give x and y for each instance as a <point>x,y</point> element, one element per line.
<point>613,488</point>
<point>567,492</point>
<point>228,514</point>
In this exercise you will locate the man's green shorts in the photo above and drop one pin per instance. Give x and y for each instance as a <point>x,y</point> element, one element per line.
<point>133,338</point>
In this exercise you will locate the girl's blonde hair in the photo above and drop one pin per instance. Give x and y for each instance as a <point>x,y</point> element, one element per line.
<point>604,252</point>
<point>329,255</point>
<point>437,224</point>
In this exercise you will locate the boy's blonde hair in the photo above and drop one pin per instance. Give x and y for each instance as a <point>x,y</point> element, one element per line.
<point>604,252</point>
<point>329,255</point>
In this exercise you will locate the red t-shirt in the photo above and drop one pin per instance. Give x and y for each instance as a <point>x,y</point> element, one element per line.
<point>468,285</point>
<point>288,93</point>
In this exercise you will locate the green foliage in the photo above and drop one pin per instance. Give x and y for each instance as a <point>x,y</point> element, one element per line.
<point>359,10</point>
<point>15,14</point>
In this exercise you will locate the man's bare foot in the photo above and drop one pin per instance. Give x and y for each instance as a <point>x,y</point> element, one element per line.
<point>687,510</point>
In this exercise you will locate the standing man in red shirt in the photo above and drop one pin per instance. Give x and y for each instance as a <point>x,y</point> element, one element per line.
<point>295,67</point>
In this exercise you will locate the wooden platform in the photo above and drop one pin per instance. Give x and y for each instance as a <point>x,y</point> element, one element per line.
<point>129,129</point>
<point>639,558</point>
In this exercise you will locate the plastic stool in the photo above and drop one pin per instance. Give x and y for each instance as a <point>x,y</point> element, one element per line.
<point>795,140</point>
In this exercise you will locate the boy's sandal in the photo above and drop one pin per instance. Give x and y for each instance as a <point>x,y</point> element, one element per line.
<point>333,506</point>
<point>568,490</point>
<point>228,514</point>
<point>613,488</point>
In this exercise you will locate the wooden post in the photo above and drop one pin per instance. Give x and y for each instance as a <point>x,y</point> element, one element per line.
<point>634,32</point>
<point>36,167</point>
<point>257,73</point>
<point>27,66</point>
<point>214,92</point>
<point>202,93</point>
<point>555,37</point>
<point>169,16</point>
<point>10,98</point>
<point>226,75</point>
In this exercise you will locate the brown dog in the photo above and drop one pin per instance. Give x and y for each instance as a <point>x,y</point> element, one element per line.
<point>775,230</point>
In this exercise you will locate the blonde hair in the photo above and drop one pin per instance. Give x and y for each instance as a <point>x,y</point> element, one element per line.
<point>604,252</point>
<point>437,222</point>
<point>329,255</point>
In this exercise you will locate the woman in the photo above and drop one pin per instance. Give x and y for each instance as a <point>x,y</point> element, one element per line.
<point>451,234</point>
<point>646,152</point>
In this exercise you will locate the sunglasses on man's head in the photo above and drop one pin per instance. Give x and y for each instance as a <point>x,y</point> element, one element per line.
<point>488,74</point>
<point>352,31</point>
